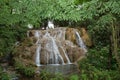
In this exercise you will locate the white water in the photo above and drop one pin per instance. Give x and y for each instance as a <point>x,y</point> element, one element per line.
<point>52,43</point>
<point>68,60</point>
<point>49,48</point>
<point>56,52</point>
<point>38,49</point>
<point>37,35</point>
<point>80,42</point>
<point>38,55</point>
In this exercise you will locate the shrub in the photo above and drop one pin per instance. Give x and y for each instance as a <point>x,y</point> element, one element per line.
<point>48,76</point>
<point>4,75</point>
<point>24,70</point>
<point>95,66</point>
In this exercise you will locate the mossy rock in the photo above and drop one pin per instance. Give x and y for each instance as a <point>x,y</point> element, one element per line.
<point>70,35</point>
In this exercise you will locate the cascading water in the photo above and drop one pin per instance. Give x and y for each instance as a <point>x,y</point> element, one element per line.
<point>37,35</point>
<point>55,56</point>
<point>68,60</point>
<point>38,55</point>
<point>80,41</point>
<point>56,52</point>
<point>37,59</point>
<point>52,48</point>
<point>51,53</point>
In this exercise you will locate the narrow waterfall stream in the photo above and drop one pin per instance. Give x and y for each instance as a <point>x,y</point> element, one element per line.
<point>56,53</point>
<point>38,55</point>
<point>80,42</point>
<point>37,59</point>
<point>68,60</point>
<point>37,35</point>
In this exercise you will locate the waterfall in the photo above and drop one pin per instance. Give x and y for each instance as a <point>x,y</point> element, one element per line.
<point>52,47</point>
<point>68,60</point>
<point>80,42</point>
<point>38,48</point>
<point>49,47</point>
<point>37,36</point>
<point>56,52</point>
<point>53,50</point>
<point>38,55</point>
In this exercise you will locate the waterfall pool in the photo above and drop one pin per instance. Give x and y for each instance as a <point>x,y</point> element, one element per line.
<point>58,68</point>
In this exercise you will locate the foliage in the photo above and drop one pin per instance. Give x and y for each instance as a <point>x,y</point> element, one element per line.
<point>102,16</point>
<point>11,26</point>
<point>99,57</point>
<point>9,36</point>
<point>27,11</point>
<point>92,73</point>
<point>81,1</point>
<point>74,77</point>
<point>48,76</point>
<point>16,14</point>
<point>99,14</point>
<point>96,65</point>
<point>4,75</point>
<point>24,70</point>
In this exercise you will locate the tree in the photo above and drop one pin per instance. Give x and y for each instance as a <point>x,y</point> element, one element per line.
<point>16,14</point>
<point>104,14</point>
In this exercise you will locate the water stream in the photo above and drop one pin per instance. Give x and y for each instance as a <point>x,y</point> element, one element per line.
<point>37,59</point>
<point>80,42</point>
<point>68,60</point>
<point>38,55</point>
<point>56,52</point>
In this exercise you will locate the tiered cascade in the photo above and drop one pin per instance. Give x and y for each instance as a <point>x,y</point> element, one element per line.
<point>54,50</point>
<point>54,47</point>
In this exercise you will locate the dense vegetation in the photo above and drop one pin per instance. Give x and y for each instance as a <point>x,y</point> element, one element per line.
<point>100,17</point>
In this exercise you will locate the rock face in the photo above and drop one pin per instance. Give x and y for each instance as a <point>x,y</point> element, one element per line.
<point>85,37</point>
<point>53,46</point>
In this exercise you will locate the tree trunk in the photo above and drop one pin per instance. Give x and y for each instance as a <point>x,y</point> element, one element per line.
<point>115,43</point>
<point>110,54</point>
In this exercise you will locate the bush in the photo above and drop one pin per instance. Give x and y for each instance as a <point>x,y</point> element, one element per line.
<point>4,75</point>
<point>48,76</point>
<point>24,70</point>
<point>95,66</point>
<point>74,77</point>
<point>8,36</point>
